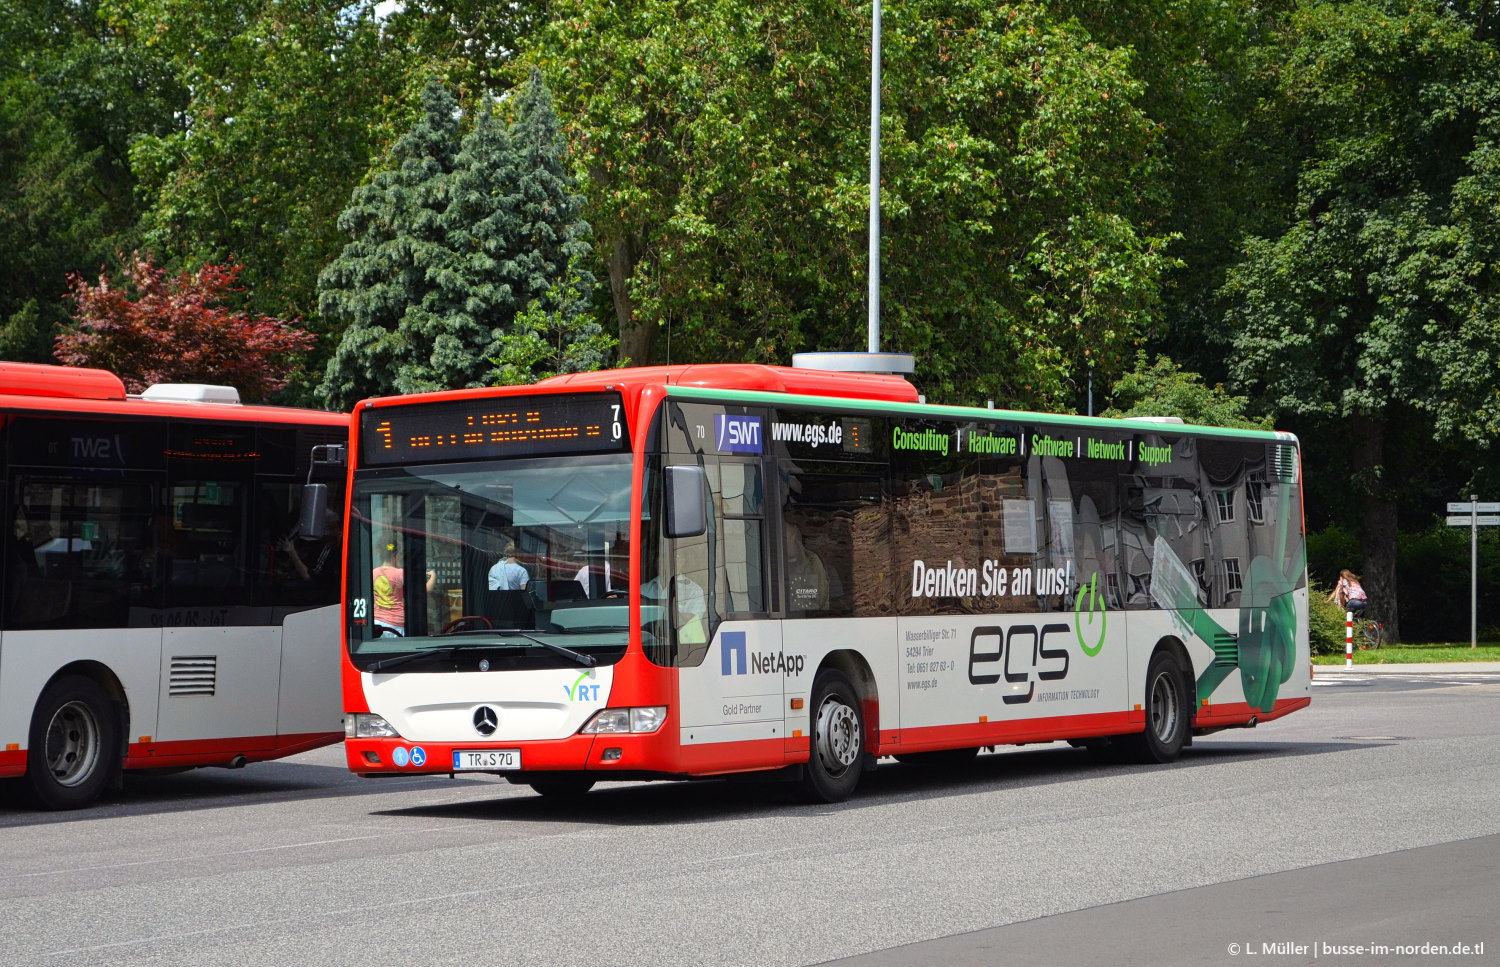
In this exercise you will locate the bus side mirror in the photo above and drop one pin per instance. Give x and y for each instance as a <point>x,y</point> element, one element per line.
<point>315,495</point>
<point>314,509</point>
<point>687,511</point>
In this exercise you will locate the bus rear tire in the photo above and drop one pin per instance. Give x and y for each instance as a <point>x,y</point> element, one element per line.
<point>75,744</point>
<point>1167,712</point>
<point>561,788</point>
<point>838,740</point>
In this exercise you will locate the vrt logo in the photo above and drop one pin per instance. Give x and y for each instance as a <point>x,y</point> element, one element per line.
<point>580,692</point>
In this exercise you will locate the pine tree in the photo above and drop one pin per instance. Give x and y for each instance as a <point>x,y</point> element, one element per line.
<point>450,246</point>
<point>383,287</point>
<point>478,287</point>
<point>546,273</point>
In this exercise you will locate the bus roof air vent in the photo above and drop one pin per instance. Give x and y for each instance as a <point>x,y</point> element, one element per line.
<point>1175,420</point>
<point>191,393</point>
<point>39,379</point>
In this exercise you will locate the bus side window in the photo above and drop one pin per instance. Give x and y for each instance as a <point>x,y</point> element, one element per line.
<point>739,501</point>
<point>833,560</point>
<point>78,554</point>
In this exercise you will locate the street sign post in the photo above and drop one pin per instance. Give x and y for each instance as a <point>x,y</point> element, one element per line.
<point>1473,515</point>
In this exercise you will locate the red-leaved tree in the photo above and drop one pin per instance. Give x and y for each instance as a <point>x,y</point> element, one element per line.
<point>152,329</point>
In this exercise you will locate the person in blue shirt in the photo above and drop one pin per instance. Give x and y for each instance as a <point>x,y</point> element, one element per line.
<point>507,574</point>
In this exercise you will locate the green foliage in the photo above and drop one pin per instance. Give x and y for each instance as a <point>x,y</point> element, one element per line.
<point>448,246</point>
<point>378,289</point>
<point>291,102</point>
<point>726,150</point>
<point>468,42</point>
<point>1163,388</point>
<point>554,334</point>
<point>1433,568</point>
<point>1330,551</point>
<point>1379,291</point>
<point>78,82</point>
<point>1326,623</point>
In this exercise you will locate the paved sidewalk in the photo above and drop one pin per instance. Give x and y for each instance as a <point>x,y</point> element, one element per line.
<point>1430,668</point>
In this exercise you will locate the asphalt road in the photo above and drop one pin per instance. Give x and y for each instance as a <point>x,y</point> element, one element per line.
<point>1372,817</point>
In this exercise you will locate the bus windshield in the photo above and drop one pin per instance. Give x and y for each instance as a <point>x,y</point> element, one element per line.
<point>512,564</point>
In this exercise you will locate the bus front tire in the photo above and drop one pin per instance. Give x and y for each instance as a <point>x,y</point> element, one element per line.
<point>1167,712</point>
<point>75,744</point>
<point>838,740</point>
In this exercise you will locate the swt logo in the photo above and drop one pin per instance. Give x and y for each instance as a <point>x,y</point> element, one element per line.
<point>580,692</point>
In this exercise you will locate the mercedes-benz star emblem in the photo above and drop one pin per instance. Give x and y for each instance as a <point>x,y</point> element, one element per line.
<point>486,720</point>
<point>484,664</point>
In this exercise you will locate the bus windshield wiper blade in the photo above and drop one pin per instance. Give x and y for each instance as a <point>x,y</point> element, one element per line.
<point>588,661</point>
<point>449,651</point>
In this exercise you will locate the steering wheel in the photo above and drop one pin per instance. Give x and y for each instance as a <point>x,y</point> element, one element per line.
<point>457,623</point>
<point>613,594</point>
<point>385,631</point>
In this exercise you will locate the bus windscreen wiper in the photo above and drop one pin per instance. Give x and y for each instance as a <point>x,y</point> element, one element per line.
<point>449,651</point>
<point>588,661</point>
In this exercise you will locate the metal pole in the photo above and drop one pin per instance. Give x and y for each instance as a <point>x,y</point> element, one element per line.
<point>1473,571</point>
<point>875,182</point>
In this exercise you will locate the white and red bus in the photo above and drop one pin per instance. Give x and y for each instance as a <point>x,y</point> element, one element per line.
<point>744,568</point>
<point>160,606</point>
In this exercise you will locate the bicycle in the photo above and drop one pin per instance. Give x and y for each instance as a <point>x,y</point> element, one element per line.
<point>1373,633</point>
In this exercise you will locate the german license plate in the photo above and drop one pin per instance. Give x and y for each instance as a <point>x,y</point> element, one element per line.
<point>489,760</point>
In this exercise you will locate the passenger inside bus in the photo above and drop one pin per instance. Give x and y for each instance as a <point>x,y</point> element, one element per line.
<point>806,577</point>
<point>508,574</point>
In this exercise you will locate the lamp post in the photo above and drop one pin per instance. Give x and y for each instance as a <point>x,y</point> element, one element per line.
<point>874,327</point>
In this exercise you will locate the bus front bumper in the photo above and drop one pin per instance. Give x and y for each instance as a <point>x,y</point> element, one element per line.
<point>601,754</point>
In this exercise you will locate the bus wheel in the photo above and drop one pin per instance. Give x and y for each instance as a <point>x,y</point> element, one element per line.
<point>1166,711</point>
<point>75,744</point>
<point>561,788</point>
<point>838,740</point>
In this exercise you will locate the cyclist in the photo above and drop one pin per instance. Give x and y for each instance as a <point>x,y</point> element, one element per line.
<point>1348,593</point>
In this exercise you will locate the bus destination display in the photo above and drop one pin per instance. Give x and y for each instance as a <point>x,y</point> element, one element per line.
<point>499,427</point>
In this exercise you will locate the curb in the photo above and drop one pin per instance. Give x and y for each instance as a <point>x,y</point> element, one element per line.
<point>1427,668</point>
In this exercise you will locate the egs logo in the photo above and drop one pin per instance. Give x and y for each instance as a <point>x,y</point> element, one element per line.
<point>1005,644</point>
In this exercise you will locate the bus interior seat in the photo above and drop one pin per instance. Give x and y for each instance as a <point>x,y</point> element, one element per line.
<point>509,609</point>
<point>564,590</point>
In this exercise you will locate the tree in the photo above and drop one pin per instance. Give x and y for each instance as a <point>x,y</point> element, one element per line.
<point>78,82</point>
<point>154,329</point>
<point>555,334</point>
<point>1163,388</point>
<point>292,101</point>
<point>1371,315</point>
<point>552,231</point>
<point>376,289</point>
<point>725,148</point>
<point>449,247</point>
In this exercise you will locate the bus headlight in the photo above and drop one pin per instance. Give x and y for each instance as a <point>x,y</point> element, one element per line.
<point>363,725</point>
<point>646,719</point>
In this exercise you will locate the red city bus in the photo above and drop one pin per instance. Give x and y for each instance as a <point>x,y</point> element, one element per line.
<point>162,608</point>
<point>688,571</point>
